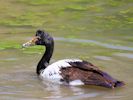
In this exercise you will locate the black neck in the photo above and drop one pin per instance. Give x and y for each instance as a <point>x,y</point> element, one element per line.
<point>43,63</point>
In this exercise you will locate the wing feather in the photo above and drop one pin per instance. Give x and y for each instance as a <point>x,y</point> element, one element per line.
<point>89,74</point>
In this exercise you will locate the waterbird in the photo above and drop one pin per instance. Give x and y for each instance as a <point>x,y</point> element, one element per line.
<point>73,72</point>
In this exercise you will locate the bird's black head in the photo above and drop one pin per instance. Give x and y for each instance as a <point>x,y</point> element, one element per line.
<point>41,38</point>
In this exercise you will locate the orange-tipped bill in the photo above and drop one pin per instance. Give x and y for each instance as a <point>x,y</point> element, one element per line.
<point>31,42</point>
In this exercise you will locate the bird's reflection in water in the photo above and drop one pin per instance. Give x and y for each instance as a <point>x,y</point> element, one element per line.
<point>65,92</point>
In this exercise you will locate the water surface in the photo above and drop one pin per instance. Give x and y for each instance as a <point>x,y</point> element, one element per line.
<point>96,31</point>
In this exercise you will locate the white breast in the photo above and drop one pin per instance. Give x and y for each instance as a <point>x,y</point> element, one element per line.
<point>52,72</point>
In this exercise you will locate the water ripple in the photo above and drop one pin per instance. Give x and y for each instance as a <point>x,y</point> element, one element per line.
<point>128,55</point>
<point>103,57</point>
<point>77,97</point>
<point>111,46</point>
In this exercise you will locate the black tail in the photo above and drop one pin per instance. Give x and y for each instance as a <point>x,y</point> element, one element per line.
<point>119,84</point>
<point>112,83</point>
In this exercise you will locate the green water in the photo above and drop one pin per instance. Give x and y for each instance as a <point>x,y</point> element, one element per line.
<point>99,31</point>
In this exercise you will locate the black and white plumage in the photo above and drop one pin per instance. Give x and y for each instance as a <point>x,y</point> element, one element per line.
<point>69,71</point>
<point>54,71</point>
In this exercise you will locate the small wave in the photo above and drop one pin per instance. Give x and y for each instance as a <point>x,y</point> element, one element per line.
<point>103,57</point>
<point>111,46</point>
<point>128,55</point>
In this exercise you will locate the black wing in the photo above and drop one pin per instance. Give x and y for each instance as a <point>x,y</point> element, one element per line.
<point>89,74</point>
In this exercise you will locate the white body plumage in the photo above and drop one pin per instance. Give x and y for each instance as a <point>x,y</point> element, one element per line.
<point>53,73</point>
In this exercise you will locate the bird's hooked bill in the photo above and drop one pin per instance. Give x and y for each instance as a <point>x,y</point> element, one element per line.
<point>31,42</point>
